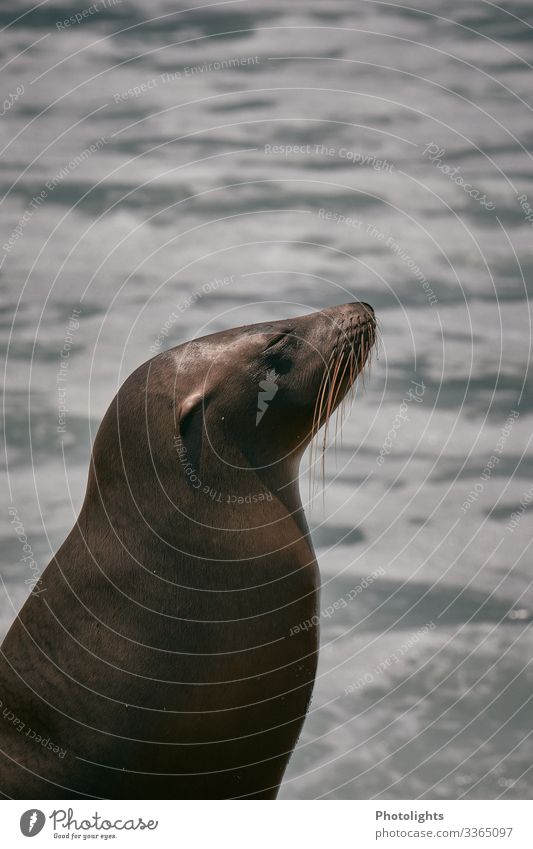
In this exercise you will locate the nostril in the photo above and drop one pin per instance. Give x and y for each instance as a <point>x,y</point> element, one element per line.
<point>367,307</point>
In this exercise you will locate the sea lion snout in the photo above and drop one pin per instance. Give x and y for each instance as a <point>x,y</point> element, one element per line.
<point>343,328</point>
<point>355,312</point>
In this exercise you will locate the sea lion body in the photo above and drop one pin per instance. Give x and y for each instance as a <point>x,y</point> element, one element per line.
<point>161,654</point>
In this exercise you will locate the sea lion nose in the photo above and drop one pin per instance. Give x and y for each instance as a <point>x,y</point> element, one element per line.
<point>364,312</point>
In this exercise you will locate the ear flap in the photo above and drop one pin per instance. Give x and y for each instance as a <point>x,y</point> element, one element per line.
<point>187,408</point>
<point>191,427</point>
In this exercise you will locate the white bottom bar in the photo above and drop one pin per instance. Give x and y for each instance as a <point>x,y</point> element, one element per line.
<point>262,825</point>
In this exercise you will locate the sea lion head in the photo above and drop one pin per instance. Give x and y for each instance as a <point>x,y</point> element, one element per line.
<point>255,396</point>
<point>223,420</point>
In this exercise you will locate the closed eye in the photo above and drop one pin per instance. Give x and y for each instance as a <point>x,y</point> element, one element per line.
<point>279,337</point>
<point>275,340</point>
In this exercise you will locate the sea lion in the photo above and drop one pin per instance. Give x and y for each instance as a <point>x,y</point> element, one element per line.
<point>160,655</point>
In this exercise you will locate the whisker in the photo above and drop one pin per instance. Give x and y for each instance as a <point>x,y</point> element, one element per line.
<point>317,417</point>
<point>346,364</point>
